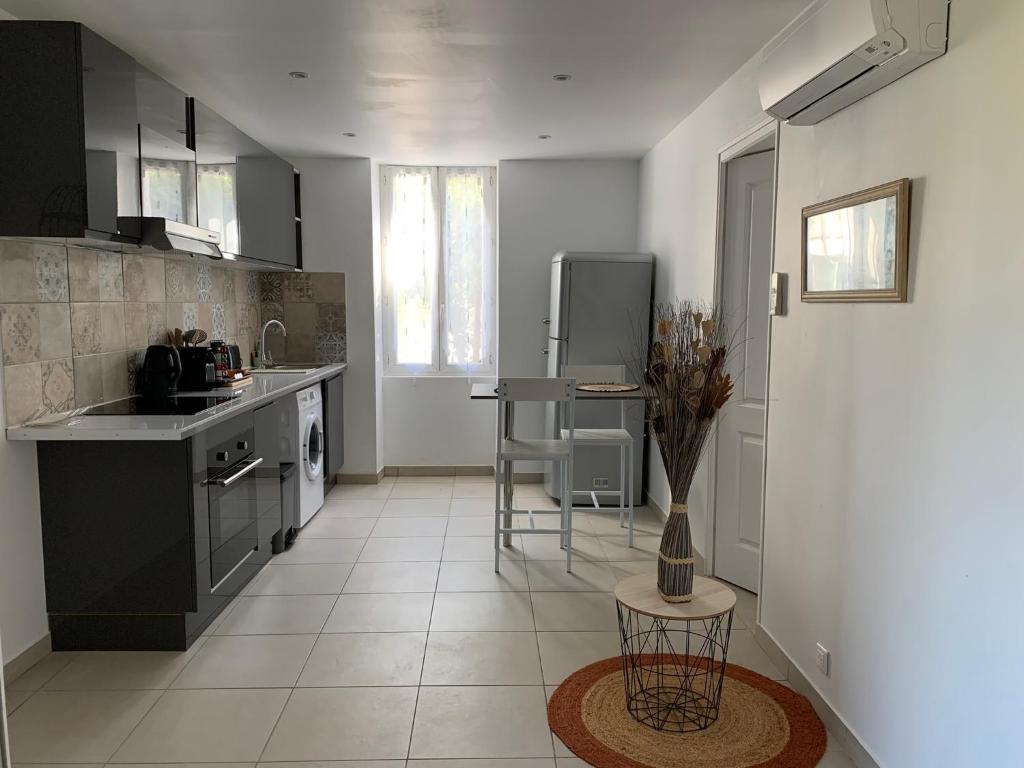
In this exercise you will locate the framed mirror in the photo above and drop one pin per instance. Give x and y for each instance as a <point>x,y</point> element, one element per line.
<point>855,247</point>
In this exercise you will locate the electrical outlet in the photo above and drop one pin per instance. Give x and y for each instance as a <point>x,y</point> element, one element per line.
<point>600,482</point>
<point>824,659</point>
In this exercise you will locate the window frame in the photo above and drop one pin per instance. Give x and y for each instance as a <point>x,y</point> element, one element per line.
<point>439,365</point>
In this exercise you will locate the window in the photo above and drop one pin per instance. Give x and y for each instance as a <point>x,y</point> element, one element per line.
<point>437,238</point>
<point>217,203</point>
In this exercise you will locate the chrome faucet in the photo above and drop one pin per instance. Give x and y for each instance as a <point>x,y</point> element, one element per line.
<point>264,357</point>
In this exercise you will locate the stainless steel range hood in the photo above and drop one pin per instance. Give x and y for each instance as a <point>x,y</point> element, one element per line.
<point>170,235</point>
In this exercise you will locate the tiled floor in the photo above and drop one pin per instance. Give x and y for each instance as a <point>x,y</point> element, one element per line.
<point>383,637</point>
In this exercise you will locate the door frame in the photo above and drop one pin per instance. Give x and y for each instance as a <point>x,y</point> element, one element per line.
<point>760,133</point>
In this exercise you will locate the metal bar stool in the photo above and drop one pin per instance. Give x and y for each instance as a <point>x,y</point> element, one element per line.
<point>610,438</point>
<point>511,449</point>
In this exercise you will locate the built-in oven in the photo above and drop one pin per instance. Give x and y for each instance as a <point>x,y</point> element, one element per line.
<point>233,504</point>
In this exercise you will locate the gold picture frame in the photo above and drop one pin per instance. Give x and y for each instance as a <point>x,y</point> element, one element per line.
<point>856,247</point>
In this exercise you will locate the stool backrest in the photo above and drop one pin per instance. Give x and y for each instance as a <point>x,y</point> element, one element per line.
<point>596,374</point>
<point>536,390</point>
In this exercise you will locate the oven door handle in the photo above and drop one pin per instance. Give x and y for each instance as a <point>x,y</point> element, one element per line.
<point>224,482</point>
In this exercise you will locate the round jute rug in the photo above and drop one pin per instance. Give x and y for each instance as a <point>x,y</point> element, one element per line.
<point>761,724</point>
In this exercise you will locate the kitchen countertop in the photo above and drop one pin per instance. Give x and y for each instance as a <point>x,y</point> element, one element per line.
<point>265,388</point>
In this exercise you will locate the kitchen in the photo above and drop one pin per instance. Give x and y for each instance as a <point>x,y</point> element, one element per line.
<point>309,311</point>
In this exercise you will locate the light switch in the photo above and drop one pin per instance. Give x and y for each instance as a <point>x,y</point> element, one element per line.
<point>777,295</point>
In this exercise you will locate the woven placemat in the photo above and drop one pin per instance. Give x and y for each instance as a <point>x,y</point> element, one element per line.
<point>761,724</point>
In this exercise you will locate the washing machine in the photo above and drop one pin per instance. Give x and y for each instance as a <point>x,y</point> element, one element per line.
<point>308,452</point>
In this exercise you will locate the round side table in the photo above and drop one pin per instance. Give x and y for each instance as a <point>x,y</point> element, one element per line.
<point>674,654</point>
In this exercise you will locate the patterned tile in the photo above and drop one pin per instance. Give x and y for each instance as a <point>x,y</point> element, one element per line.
<point>23,393</point>
<point>18,271</point>
<point>297,286</point>
<point>223,285</point>
<point>330,318</point>
<point>54,331</point>
<point>271,310</point>
<point>58,385</point>
<point>220,328</point>
<point>134,365</point>
<point>114,375</point>
<point>181,282</point>
<point>52,274</point>
<point>271,287</point>
<point>83,274</point>
<point>19,325</point>
<point>112,328</point>
<point>145,324</point>
<point>248,319</point>
<point>252,289</point>
<point>328,287</point>
<point>330,348</point>
<point>110,273</point>
<point>144,278</point>
<point>85,329</point>
<point>204,284</point>
<point>88,378</point>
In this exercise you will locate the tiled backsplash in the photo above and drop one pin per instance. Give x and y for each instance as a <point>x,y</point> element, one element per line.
<point>75,322</point>
<point>312,307</point>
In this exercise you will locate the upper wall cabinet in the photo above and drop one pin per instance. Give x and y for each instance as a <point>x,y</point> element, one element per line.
<point>90,140</point>
<point>69,145</point>
<point>246,192</point>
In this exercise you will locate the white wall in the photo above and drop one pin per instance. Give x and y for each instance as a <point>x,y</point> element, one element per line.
<point>678,224</point>
<point>546,206</point>
<point>895,479</point>
<point>22,596</point>
<point>337,236</point>
<point>893,512</point>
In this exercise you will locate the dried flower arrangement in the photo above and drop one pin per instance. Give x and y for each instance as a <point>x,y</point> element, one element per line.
<point>684,381</point>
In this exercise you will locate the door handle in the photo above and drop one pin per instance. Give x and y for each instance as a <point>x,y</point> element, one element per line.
<point>224,482</point>
<point>546,321</point>
<point>544,351</point>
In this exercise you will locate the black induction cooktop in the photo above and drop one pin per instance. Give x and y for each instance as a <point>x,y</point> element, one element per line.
<point>165,406</point>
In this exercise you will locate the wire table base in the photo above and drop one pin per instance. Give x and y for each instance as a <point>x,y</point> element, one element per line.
<point>674,668</point>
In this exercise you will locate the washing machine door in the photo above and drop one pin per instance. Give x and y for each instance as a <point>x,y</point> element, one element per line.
<point>313,446</point>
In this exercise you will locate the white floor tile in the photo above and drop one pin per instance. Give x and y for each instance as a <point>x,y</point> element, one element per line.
<point>344,724</point>
<point>479,548</point>
<point>480,577</point>
<point>247,661</point>
<point>393,527</point>
<point>338,527</point>
<point>75,726</point>
<point>574,611</point>
<point>530,491</point>
<point>112,671</point>
<point>425,480</point>
<point>381,491</point>
<point>320,551</point>
<point>277,615</point>
<point>550,548</point>
<point>392,577</point>
<point>494,762</point>
<point>473,491</point>
<point>352,508</point>
<point>381,613</point>
<point>482,612</point>
<point>300,579</point>
<point>402,550</point>
<point>551,576</point>
<point>562,653</point>
<point>205,727</point>
<point>14,699</point>
<point>416,508</point>
<point>365,659</point>
<point>33,678</point>
<point>421,491</point>
<point>617,547</point>
<point>480,722</point>
<point>482,658</point>
<point>333,764</point>
<point>471,525</point>
<point>472,507</point>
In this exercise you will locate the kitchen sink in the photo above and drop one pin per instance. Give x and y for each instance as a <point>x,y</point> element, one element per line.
<point>286,368</point>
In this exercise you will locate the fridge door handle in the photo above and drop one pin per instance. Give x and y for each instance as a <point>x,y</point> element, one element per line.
<point>546,321</point>
<point>545,351</point>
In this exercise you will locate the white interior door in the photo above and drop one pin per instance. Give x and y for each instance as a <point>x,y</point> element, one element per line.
<point>746,270</point>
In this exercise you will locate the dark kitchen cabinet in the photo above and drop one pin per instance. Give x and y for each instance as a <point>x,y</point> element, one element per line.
<point>246,192</point>
<point>334,428</point>
<point>69,144</point>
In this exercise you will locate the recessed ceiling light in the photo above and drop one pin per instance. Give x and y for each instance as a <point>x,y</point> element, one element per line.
<point>563,78</point>
<point>297,75</point>
<point>544,136</point>
<point>348,135</point>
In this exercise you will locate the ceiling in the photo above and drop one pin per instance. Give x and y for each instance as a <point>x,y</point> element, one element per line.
<point>439,81</point>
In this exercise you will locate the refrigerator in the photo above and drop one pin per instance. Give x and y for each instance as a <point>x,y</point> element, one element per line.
<point>599,302</point>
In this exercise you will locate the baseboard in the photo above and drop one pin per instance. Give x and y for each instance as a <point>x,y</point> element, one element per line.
<point>369,478</point>
<point>439,470</point>
<point>27,659</point>
<point>849,741</point>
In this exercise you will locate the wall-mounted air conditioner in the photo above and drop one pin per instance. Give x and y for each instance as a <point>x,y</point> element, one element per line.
<point>838,51</point>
